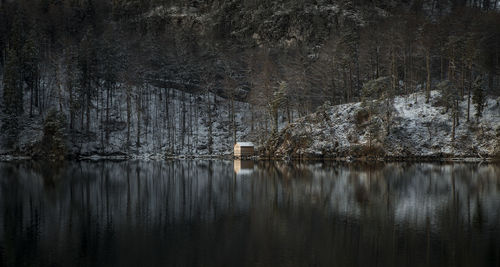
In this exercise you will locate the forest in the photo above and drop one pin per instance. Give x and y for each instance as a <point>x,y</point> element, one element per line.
<point>84,77</point>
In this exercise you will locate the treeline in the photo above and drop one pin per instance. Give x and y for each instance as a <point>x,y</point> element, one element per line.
<point>451,46</point>
<point>76,57</point>
<point>87,58</point>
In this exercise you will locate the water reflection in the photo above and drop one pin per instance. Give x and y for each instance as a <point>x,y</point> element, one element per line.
<point>243,167</point>
<point>199,213</point>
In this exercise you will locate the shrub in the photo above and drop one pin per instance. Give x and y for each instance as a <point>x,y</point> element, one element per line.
<point>361,116</point>
<point>374,89</point>
<point>353,137</point>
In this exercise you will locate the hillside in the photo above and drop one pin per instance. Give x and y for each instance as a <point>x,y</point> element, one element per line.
<point>189,78</point>
<point>178,126</point>
<point>417,129</point>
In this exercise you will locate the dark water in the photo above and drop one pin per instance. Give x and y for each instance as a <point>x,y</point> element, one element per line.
<point>203,213</point>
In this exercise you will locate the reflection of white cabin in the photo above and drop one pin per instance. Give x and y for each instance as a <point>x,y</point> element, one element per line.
<point>243,166</point>
<point>243,149</point>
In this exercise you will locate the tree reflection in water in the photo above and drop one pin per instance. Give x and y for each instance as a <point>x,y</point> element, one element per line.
<point>202,213</point>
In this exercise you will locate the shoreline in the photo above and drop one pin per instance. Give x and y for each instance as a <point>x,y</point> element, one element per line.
<point>344,159</point>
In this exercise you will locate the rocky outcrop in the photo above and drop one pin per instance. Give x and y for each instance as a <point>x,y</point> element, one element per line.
<point>272,23</point>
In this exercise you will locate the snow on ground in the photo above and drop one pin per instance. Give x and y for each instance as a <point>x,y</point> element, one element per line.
<point>417,129</point>
<point>177,127</point>
<point>168,137</point>
<point>428,129</point>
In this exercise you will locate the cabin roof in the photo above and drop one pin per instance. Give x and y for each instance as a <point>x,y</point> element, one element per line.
<point>245,144</point>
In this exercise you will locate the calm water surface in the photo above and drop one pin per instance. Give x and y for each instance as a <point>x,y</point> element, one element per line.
<point>224,213</point>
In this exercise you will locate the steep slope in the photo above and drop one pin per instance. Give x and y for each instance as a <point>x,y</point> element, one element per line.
<point>179,126</point>
<point>274,23</point>
<point>416,129</point>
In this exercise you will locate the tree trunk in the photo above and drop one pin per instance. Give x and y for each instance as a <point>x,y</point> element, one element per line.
<point>129,113</point>
<point>347,99</point>
<point>393,70</point>
<point>190,140</point>
<point>168,120</point>
<point>252,120</point>
<point>210,136</point>
<point>450,71</point>
<point>233,120</point>
<point>276,120</point>
<point>31,101</point>
<point>82,120</point>
<point>462,74</point>
<point>453,127</point>
<point>71,111</point>
<point>59,90</point>
<point>469,94</point>
<point>288,113</point>
<point>441,71</point>
<point>405,74</point>
<point>491,75</point>
<point>428,82</point>
<point>101,121</point>
<point>138,113</point>
<point>183,129</point>
<point>108,93</point>
<point>37,91</point>
<point>88,110</point>
<point>350,81</point>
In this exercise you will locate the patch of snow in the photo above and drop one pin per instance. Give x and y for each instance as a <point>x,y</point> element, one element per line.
<point>245,144</point>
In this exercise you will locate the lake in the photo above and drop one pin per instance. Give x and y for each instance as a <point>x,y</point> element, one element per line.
<point>244,213</point>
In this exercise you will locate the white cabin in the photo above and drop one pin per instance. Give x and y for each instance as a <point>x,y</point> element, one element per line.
<point>243,149</point>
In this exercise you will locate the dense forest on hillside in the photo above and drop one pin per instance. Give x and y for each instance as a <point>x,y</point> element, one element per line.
<point>180,77</point>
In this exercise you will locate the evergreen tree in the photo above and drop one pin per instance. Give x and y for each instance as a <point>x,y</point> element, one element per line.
<point>374,89</point>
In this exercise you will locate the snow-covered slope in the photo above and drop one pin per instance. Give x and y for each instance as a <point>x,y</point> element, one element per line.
<point>416,129</point>
<point>179,126</point>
